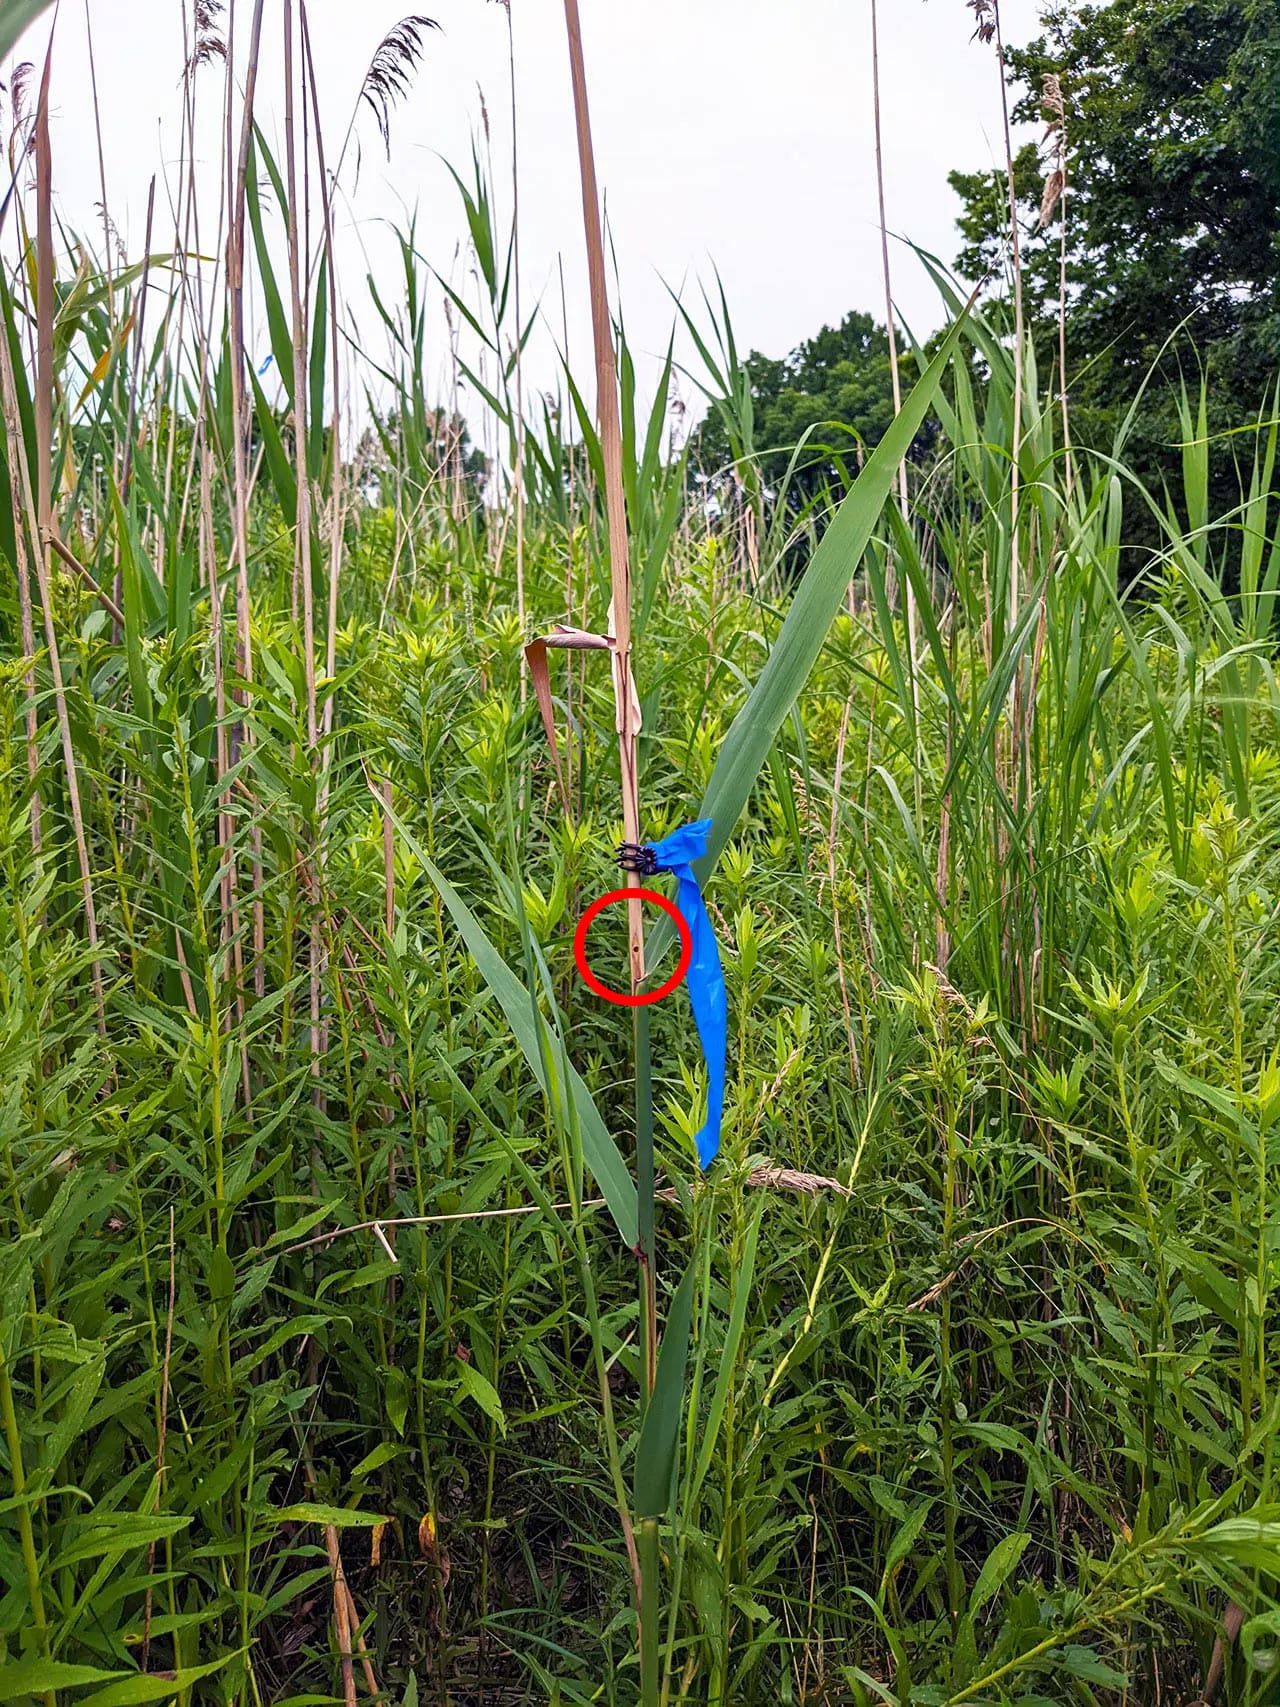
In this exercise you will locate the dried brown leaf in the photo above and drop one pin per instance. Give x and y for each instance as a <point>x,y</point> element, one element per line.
<point>1053,188</point>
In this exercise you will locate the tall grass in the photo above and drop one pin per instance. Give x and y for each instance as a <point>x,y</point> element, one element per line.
<point>321,1358</point>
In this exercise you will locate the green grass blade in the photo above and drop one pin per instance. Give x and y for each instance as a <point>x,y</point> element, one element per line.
<point>539,1048</point>
<point>656,1452</point>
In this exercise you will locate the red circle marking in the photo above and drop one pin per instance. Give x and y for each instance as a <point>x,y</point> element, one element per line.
<point>580,947</point>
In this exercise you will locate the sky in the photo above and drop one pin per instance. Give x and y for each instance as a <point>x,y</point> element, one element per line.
<point>731,137</point>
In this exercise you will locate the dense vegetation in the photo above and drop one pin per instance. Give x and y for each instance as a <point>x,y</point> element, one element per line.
<point>1148,207</point>
<point>321,1365</point>
<point>1164,119</point>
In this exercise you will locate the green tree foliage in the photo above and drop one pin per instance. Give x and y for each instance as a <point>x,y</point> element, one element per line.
<point>816,411</point>
<point>1172,114</point>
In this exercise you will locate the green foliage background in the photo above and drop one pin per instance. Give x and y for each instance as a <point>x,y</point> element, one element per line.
<point>315,1155</point>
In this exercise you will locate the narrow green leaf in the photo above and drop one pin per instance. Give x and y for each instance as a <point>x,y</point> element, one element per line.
<point>336,1515</point>
<point>36,1677</point>
<point>152,1686</point>
<point>540,1050</point>
<point>729,1355</point>
<point>656,1451</point>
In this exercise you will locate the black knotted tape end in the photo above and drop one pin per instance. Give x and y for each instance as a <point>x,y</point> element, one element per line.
<point>639,860</point>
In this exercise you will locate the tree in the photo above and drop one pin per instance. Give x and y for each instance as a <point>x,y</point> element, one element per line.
<point>1172,114</point>
<point>837,388</point>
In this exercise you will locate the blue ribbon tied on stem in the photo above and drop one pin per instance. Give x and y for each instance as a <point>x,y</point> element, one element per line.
<point>705,978</point>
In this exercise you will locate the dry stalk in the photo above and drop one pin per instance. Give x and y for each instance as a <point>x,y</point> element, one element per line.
<point>354,1622</point>
<point>104,598</point>
<point>335,428</point>
<point>341,1615</point>
<point>1055,195</point>
<point>1018,327</point>
<point>299,330</point>
<point>904,500</point>
<point>518,473</point>
<point>228,892</point>
<point>139,326</point>
<point>855,1069</point>
<point>1232,1621</point>
<point>40,515</point>
<point>13,438</point>
<point>766,1177</point>
<point>626,703</point>
<point>236,198</point>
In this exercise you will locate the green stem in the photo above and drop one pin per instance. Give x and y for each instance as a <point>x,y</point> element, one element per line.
<point>645,1189</point>
<point>26,1531</point>
<point>649,1551</point>
<point>955,1577</point>
<point>649,1611</point>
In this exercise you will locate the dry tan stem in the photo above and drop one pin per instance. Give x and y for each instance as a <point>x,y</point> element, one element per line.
<point>624,693</point>
<point>353,1618</point>
<point>235,291</point>
<point>236,195</point>
<point>855,1070</point>
<point>13,436</point>
<point>1232,1620</point>
<point>903,494</point>
<point>229,888</point>
<point>139,325</point>
<point>341,1615</point>
<point>302,519</point>
<point>298,329</point>
<point>768,1177</point>
<point>335,426</point>
<point>1016,240</point>
<point>104,598</point>
<point>40,514</point>
<point>1055,195</point>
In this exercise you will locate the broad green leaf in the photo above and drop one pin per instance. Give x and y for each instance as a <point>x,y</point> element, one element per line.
<point>33,1677</point>
<point>37,1676</point>
<point>152,1686</point>
<point>338,1516</point>
<point>386,1453</point>
<point>1086,1664</point>
<point>475,1386</point>
<point>1252,1543</point>
<point>1001,1563</point>
<point>119,1534</point>
<point>15,17</point>
<point>817,602</point>
<point>135,621</point>
<point>904,1541</point>
<point>656,1452</point>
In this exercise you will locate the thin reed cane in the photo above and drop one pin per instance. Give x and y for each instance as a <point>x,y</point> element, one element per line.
<point>627,719</point>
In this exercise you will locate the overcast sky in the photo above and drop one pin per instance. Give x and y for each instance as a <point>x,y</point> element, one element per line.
<point>735,135</point>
